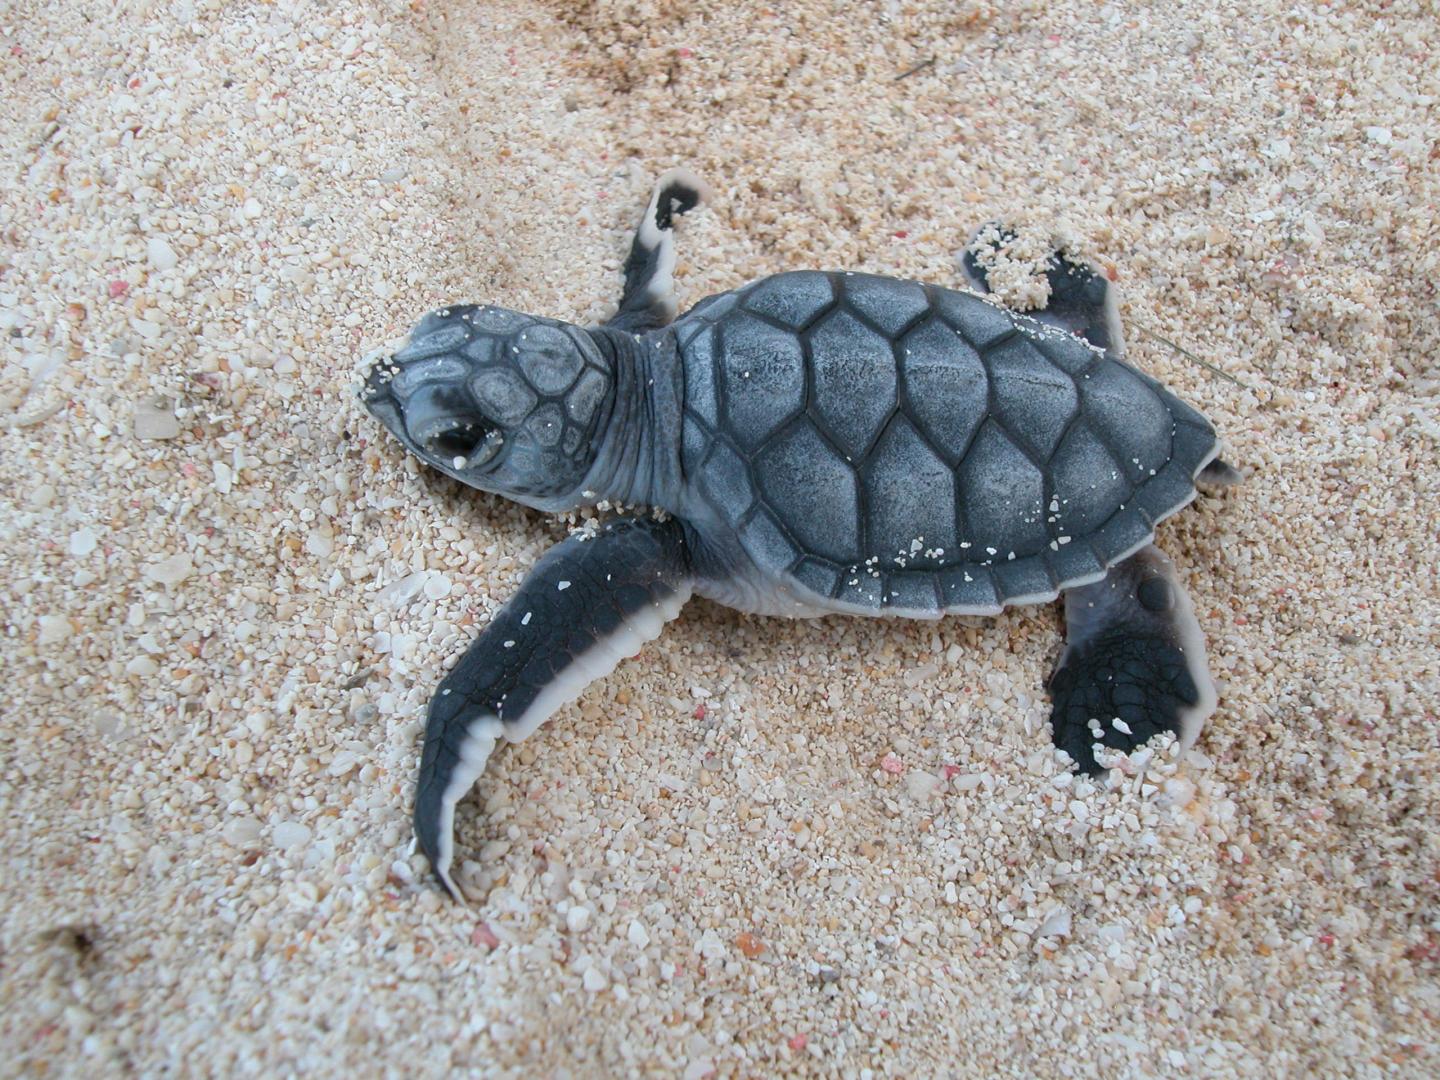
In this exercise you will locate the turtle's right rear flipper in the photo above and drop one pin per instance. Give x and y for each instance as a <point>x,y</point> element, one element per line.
<point>1134,663</point>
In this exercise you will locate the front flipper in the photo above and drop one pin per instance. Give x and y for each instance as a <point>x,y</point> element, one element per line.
<point>648,301</point>
<point>1082,300</point>
<point>590,602</point>
<point>1134,662</point>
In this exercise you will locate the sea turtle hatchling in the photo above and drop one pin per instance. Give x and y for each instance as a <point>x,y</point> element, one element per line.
<point>819,442</point>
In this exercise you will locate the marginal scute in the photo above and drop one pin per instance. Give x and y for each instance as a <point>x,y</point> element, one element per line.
<point>766,540</point>
<point>1124,532</point>
<point>861,588</point>
<point>911,590</point>
<point>910,504</point>
<point>1166,491</point>
<point>1067,352</point>
<point>970,587</point>
<point>1074,561</point>
<point>806,484</point>
<point>946,386</point>
<point>889,303</point>
<point>764,378</point>
<point>1033,398</point>
<point>714,307</point>
<point>855,381</point>
<point>694,442</point>
<point>820,576</point>
<point>1024,577</point>
<point>795,299</point>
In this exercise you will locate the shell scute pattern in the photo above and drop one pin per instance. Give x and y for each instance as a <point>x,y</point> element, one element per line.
<point>910,448</point>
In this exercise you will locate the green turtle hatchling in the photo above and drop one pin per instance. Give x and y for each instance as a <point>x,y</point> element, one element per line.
<point>820,442</point>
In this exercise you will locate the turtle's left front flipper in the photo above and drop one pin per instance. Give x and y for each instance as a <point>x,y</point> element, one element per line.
<point>1134,662</point>
<point>590,602</point>
<point>648,301</point>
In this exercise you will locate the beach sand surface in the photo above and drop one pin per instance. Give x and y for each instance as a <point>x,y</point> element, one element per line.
<point>837,847</point>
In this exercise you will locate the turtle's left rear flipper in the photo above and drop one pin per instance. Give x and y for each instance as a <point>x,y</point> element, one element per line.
<point>1134,662</point>
<point>648,301</point>
<point>590,602</point>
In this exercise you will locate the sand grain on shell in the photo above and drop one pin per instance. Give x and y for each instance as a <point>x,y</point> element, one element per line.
<point>840,847</point>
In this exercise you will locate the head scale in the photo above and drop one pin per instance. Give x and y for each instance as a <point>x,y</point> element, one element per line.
<point>505,402</point>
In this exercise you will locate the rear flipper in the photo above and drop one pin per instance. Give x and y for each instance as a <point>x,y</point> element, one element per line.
<point>1082,300</point>
<point>590,602</point>
<point>1134,662</point>
<point>648,301</point>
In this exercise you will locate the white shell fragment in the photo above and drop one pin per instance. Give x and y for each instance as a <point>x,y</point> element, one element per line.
<point>154,418</point>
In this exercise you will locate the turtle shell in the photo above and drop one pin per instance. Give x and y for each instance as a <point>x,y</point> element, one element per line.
<point>886,447</point>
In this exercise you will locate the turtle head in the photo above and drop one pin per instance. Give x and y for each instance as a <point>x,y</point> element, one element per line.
<point>503,402</point>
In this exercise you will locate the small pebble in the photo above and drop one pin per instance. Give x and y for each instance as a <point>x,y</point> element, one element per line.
<point>595,980</point>
<point>154,419</point>
<point>162,255</point>
<point>170,571</point>
<point>290,834</point>
<point>54,629</point>
<point>241,832</point>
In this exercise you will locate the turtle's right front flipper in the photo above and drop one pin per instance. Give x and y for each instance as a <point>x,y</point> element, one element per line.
<point>648,301</point>
<point>590,602</point>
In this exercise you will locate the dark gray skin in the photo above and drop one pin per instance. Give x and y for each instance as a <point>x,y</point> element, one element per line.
<point>821,442</point>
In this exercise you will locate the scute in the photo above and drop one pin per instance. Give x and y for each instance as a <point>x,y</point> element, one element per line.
<point>946,386</point>
<point>854,371</point>
<point>1034,399</point>
<point>889,303</point>
<point>1087,485</point>
<point>700,396</point>
<point>910,500</point>
<point>1002,497</point>
<point>795,299</point>
<point>1130,417</point>
<point>764,378</point>
<point>503,394</point>
<point>1005,449</point>
<point>725,482</point>
<point>982,323</point>
<point>813,491</point>
<point>549,359</point>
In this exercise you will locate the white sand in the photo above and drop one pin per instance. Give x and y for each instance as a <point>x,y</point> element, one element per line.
<point>863,858</point>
